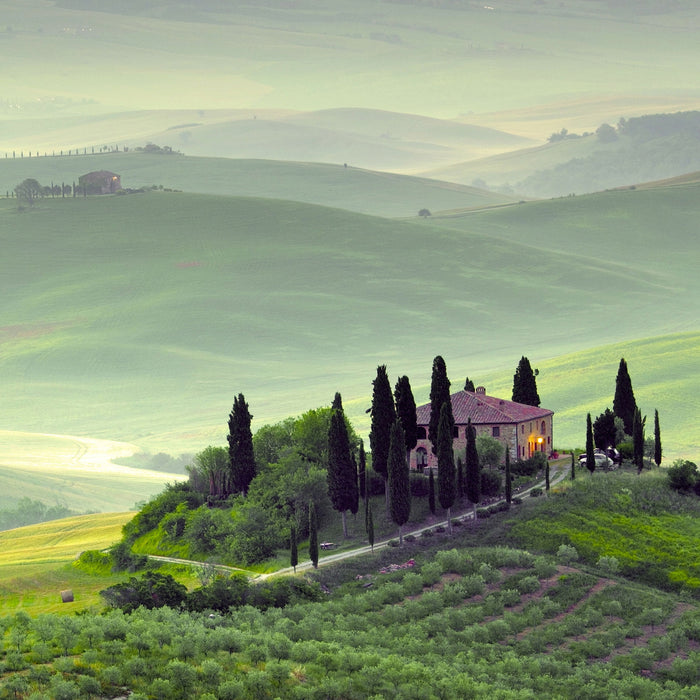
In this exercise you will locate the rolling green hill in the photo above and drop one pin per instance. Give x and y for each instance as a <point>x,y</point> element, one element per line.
<point>138,318</point>
<point>368,192</point>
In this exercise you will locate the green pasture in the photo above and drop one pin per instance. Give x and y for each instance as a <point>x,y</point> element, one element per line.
<point>38,562</point>
<point>442,60</point>
<point>355,189</point>
<point>138,318</point>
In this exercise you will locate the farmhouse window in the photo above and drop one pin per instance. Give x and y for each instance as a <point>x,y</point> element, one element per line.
<point>495,431</point>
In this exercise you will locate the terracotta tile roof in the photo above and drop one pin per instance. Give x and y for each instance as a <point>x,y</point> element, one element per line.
<point>484,409</point>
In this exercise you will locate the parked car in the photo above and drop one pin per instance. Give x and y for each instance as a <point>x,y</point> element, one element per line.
<point>602,461</point>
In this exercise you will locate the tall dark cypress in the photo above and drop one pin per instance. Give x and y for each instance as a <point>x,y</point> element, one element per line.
<point>623,402</point>
<point>398,482</point>
<point>383,417</point>
<point>341,474</point>
<point>469,385</point>
<point>439,396</point>
<point>590,449</point>
<point>525,385</point>
<point>240,446</point>
<point>472,470</point>
<point>638,440</point>
<point>362,470</point>
<point>406,412</point>
<point>509,478</point>
<point>431,491</point>
<point>370,526</point>
<point>573,465</point>
<point>313,535</point>
<point>446,486</point>
<point>657,439</point>
<point>293,551</point>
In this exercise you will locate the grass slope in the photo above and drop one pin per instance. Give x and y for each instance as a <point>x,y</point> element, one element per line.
<point>368,192</point>
<point>36,563</point>
<point>138,318</point>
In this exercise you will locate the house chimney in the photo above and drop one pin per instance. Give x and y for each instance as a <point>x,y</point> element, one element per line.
<point>481,390</point>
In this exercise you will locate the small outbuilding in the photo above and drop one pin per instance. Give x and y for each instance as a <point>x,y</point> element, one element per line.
<point>100,182</point>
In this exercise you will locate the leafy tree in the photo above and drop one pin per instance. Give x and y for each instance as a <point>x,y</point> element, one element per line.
<point>293,552</point>
<point>605,430</point>
<point>313,535</point>
<point>524,384</point>
<point>469,385</point>
<point>624,402</point>
<point>28,191</point>
<point>590,449</point>
<point>657,439</point>
<point>638,439</point>
<point>509,478</point>
<point>152,590</point>
<point>473,472</point>
<point>439,396</point>
<point>272,442</point>
<point>240,447</point>
<point>406,412</point>
<point>342,475</point>
<point>490,451</point>
<point>398,482</point>
<point>424,213</point>
<point>383,417</point>
<point>210,473</point>
<point>446,462</point>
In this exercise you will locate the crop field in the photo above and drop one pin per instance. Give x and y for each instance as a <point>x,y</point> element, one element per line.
<point>36,563</point>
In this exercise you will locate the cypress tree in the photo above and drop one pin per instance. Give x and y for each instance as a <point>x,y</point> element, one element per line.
<point>524,384</point>
<point>383,417</point>
<point>472,471</point>
<point>406,412</point>
<point>370,527</point>
<point>398,482</point>
<point>240,446</point>
<point>461,486</point>
<point>469,385</point>
<point>546,477</point>
<point>638,440</point>
<point>439,396</point>
<point>657,439</point>
<point>509,478</point>
<point>293,552</point>
<point>431,491</point>
<point>590,450</point>
<point>624,403</point>
<point>362,470</point>
<point>573,467</point>
<point>446,463</point>
<point>313,535</point>
<point>341,474</point>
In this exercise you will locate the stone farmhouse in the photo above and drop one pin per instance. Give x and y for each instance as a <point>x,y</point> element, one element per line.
<point>100,182</point>
<point>524,429</point>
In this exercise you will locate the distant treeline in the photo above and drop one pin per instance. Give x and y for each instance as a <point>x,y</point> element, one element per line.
<point>28,512</point>
<point>88,151</point>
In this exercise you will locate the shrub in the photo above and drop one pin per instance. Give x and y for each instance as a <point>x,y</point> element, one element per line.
<point>431,573</point>
<point>483,513</point>
<point>626,450</point>
<point>409,538</point>
<point>567,554</point>
<point>535,492</point>
<point>419,485</point>
<point>683,475</point>
<point>528,584</point>
<point>490,483</point>
<point>529,467</point>
<point>609,565</point>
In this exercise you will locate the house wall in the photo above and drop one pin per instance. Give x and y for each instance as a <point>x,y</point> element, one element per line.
<point>522,439</point>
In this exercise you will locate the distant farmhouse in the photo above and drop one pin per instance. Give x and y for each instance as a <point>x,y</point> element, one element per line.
<point>100,182</point>
<point>524,429</point>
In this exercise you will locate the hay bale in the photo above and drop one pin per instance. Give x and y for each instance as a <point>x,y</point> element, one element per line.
<point>67,596</point>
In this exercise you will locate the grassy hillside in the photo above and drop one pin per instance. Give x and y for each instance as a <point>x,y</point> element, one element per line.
<point>138,318</point>
<point>439,59</point>
<point>36,563</point>
<point>368,192</point>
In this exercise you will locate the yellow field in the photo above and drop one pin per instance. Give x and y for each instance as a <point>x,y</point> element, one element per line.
<point>36,563</point>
